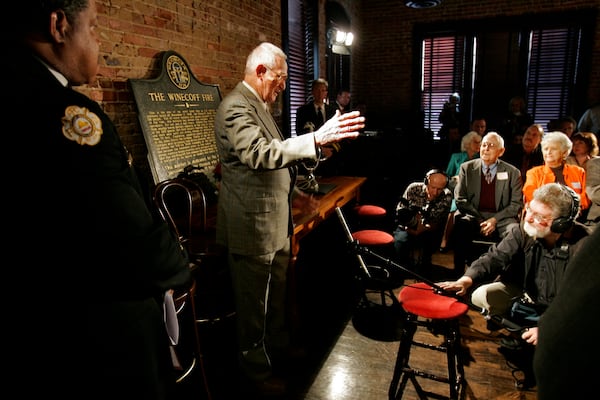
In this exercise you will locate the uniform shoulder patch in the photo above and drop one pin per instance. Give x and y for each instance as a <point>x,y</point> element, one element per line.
<point>81,125</point>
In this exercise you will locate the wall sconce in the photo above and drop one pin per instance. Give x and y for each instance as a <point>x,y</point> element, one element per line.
<point>340,41</point>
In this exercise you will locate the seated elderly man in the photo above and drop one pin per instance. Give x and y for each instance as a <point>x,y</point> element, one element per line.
<point>489,199</point>
<point>530,262</point>
<point>421,216</point>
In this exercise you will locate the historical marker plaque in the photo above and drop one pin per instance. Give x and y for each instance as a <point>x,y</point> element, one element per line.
<point>177,114</point>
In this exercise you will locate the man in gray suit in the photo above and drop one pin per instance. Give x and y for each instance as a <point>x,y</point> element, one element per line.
<point>489,199</point>
<point>254,219</point>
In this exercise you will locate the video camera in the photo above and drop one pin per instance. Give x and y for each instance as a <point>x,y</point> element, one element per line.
<point>408,215</point>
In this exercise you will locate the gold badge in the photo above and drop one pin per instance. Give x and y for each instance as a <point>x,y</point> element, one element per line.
<point>81,125</point>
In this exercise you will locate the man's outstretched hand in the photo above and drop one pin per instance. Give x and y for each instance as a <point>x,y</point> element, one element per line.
<point>339,127</point>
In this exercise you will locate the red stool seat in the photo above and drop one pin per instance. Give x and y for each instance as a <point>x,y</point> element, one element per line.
<point>369,210</point>
<point>440,315</point>
<point>373,237</point>
<point>420,299</point>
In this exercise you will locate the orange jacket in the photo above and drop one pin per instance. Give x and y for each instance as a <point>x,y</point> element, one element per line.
<point>540,175</point>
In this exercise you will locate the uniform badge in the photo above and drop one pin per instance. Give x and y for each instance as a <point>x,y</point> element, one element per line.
<point>81,125</point>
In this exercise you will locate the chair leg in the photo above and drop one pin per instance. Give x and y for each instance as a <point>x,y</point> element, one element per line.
<point>403,372</point>
<point>400,369</point>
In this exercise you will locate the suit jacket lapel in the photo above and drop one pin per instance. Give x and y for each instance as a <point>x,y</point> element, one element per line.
<point>267,121</point>
<point>264,116</point>
<point>500,185</point>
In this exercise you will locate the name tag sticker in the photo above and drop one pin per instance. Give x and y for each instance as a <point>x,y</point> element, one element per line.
<point>502,176</point>
<point>576,185</point>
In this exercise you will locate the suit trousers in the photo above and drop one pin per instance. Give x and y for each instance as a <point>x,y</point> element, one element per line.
<point>260,283</point>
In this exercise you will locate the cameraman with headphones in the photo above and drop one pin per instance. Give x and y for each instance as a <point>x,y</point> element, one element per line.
<point>528,265</point>
<point>421,216</point>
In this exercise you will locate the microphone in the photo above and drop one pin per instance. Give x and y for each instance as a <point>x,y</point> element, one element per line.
<point>508,324</point>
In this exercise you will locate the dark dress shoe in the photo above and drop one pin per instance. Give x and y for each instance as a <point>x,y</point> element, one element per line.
<point>443,250</point>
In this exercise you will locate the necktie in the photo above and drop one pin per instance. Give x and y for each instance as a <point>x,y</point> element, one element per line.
<point>320,115</point>
<point>488,175</point>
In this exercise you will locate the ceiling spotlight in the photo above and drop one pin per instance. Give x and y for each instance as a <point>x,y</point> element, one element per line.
<point>422,3</point>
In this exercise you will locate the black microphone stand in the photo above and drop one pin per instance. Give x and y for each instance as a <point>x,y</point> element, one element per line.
<point>360,250</point>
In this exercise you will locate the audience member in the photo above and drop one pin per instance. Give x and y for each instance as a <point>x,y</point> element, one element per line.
<point>469,150</point>
<point>450,116</point>
<point>567,125</point>
<point>528,154</point>
<point>479,125</point>
<point>556,146</point>
<point>516,121</point>
<point>96,257</point>
<point>310,117</point>
<point>585,147</point>
<point>488,197</point>
<point>592,189</point>
<point>254,218</point>
<point>526,268</point>
<point>563,363</point>
<point>420,217</point>
<point>590,120</point>
<point>342,100</point>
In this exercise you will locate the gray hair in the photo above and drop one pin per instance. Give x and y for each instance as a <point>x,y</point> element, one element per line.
<point>467,139</point>
<point>265,54</point>
<point>559,138</point>
<point>498,137</point>
<point>555,196</point>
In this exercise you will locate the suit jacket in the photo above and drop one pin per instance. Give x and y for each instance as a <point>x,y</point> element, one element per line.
<point>515,156</point>
<point>509,195</point>
<point>258,173</point>
<point>79,219</point>
<point>592,188</point>
<point>306,114</point>
<point>574,178</point>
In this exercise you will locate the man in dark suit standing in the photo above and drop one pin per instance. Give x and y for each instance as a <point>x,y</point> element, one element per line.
<point>311,116</point>
<point>96,263</point>
<point>254,218</point>
<point>489,199</point>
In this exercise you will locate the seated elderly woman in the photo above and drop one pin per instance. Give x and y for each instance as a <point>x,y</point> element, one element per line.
<point>585,147</point>
<point>556,147</point>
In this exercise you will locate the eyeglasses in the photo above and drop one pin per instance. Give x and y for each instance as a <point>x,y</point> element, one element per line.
<point>540,219</point>
<point>488,144</point>
<point>279,77</point>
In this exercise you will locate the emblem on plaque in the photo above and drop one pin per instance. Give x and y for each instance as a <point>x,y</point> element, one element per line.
<point>178,72</point>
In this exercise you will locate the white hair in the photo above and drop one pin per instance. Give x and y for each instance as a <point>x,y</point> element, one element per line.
<point>559,138</point>
<point>265,54</point>
<point>467,139</point>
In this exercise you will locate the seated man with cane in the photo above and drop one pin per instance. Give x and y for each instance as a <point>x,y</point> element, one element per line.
<point>526,268</point>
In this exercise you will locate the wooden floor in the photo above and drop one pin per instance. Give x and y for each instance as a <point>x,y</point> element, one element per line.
<point>351,354</point>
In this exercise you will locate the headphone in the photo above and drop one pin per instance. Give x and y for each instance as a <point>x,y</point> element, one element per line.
<point>561,224</point>
<point>433,172</point>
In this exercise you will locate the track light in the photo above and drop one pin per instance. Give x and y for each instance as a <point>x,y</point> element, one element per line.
<point>422,3</point>
<point>342,37</point>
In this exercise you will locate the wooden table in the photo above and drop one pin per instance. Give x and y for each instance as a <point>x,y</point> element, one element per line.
<point>347,188</point>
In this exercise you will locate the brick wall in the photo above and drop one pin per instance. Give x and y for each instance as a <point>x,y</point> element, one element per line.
<point>215,36</point>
